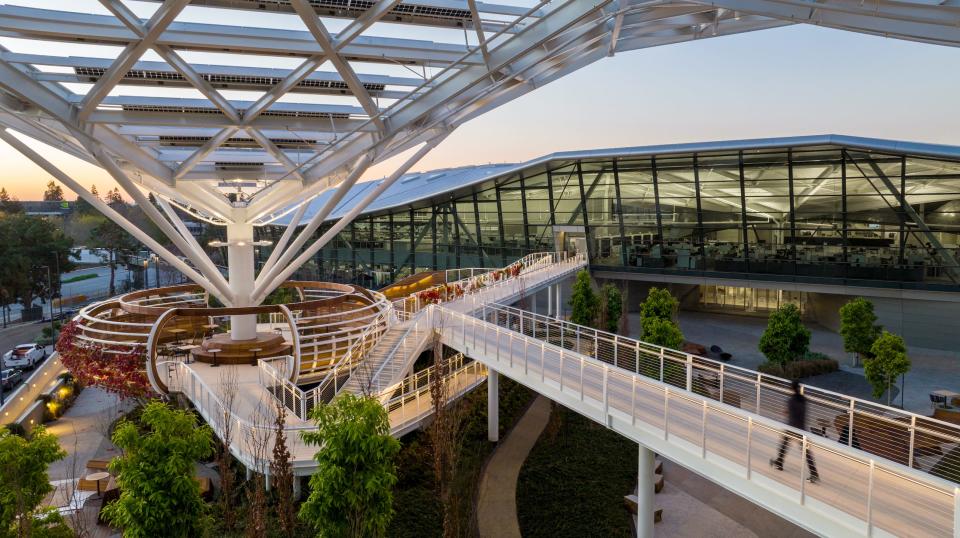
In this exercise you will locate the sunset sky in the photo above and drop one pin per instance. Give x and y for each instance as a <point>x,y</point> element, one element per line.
<point>789,81</point>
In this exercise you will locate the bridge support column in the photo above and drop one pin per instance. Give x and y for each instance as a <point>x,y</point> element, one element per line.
<point>493,406</point>
<point>558,311</point>
<point>549,301</point>
<point>297,488</point>
<point>645,492</point>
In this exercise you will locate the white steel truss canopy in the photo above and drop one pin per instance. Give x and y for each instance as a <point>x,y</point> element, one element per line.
<point>172,104</point>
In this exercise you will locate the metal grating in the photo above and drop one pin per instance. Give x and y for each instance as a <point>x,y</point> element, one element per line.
<point>169,109</point>
<point>239,142</point>
<point>93,74</point>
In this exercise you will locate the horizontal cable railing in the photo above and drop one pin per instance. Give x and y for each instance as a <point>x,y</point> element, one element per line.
<point>906,438</point>
<point>414,402</point>
<point>864,492</point>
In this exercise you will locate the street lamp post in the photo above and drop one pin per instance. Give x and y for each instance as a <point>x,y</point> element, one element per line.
<point>56,257</point>
<point>1,381</point>
<point>53,330</point>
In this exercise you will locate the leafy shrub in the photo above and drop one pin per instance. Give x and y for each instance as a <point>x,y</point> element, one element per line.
<point>785,338</point>
<point>807,367</point>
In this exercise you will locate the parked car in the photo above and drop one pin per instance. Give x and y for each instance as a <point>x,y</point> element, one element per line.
<point>25,356</point>
<point>10,377</point>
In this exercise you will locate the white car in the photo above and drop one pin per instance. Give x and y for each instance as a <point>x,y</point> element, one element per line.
<point>24,356</point>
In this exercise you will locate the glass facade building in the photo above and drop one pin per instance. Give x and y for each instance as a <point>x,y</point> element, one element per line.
<point>817,211</point>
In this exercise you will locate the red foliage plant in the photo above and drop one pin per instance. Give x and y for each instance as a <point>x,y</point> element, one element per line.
<point>115,369</point>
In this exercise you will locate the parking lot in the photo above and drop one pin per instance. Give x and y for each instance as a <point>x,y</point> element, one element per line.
<point>20,334</point>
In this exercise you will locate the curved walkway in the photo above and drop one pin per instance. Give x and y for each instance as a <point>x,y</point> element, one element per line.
<point>497,502</point>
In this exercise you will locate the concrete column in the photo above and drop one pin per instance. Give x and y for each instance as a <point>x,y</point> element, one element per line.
<point>297,488</point>
<point>493,406</point>
<point>559,310</point>
<point>266,481</point>
<point>240,261</point>
<point>549,301</point>
<point>533,302</point>
<point>249,473</point>
<point>645,492</point>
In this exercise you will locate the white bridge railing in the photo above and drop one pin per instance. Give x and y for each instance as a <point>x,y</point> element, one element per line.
<point>858,491</point>
<point>897,435</point>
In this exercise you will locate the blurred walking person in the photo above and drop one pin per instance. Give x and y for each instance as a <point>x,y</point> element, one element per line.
<point>796,417</point>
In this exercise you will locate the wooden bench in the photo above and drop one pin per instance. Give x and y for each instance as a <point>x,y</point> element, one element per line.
<point>91,485</point>
<point>98,465</point>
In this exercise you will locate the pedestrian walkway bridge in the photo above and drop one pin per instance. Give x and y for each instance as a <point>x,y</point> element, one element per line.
<point>878,465</point>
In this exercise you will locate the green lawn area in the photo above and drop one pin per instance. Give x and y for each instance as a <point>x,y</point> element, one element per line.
<point>574,480</point>
<point>417,508</point>
<point>79,278</point>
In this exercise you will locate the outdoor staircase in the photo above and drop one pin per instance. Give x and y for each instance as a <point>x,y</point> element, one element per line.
<point>391,359</point>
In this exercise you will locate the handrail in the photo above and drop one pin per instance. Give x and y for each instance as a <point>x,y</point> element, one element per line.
<point>874,491</point>
<point>403,341</point>
<point>529,264</point>
<point>354,355</point>
<point>892,433</point>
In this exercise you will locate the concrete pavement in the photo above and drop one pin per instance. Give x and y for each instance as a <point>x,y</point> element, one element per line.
<point>83,432</point>
<point>497,502</point>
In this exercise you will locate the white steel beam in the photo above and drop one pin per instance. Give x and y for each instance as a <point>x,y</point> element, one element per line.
<point>112,214</point>
<point>319,32</point>
<point>162,18</point>
<point>285,238</point>
<point>268,284</point>
<point>203,262</point>
<point>287,255</point>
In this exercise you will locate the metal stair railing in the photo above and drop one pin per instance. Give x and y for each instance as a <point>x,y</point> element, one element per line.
<point>906,438</point>
<point>857,490</point>
<point>374,383</point>
<point>352,359</point>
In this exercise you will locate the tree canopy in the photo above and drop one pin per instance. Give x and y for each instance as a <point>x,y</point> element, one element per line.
<point>9,204</point>
<point>352,490</point>
<point>656,319</point>
<point>889,361</point>
<point>53,193</point>
<point>583,300</point>
<point>24,483</point>
<point>612,307</point>
<point>26,244</point>
<point>662,332</point>
<point>858,326</point>
<point>659,304</point>
<point>158,493</point>
<point>785,338</point>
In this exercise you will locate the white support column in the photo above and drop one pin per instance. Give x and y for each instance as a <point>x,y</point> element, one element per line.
<point>240,262</point>
<point>493,406</point>
<point>559,302</point>
<point>645,493</point>
<point>533,303</point>
<point>549,301</point>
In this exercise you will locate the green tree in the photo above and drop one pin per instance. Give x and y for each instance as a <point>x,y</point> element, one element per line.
<point>858,327</point>
<point>83,207</point>
<point>785,338</point>
<point>9,204</point>
<point>24,483</point>
<point>583,301</point>
<point>351,491</point>
<point>54,192</point>
<point>662,332</point>
<point>158,493</point>
<point>659,304</point>
<point>889,361</point>
<point>27,243</point>
<point>612,307</point>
